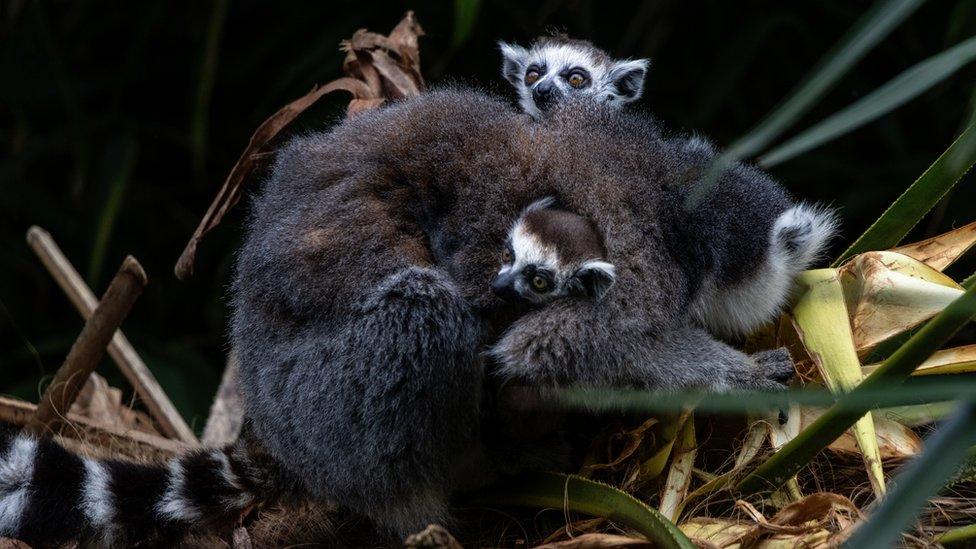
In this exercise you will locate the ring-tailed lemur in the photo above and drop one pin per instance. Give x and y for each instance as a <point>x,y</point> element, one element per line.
<point>362,307</point>
<point>551,253</point>
<point>556,67</point>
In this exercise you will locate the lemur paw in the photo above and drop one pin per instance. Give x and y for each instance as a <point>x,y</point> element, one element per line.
<point>774,369</point>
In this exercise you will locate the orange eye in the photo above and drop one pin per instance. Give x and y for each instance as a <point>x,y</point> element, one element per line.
<point>507,256</point>
<point>531,77</point>
<point>576,80</point>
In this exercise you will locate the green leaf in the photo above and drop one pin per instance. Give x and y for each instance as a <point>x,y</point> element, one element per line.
<point>120,161</point>
<point>901,89</point>
<point>573,493</point>
<point>200,120</point>
<point>870,29</point>
<point>918,199</point>
<point>798,452</point>
<point>465,15</point>
<point>918,391</point>
<point>919,480</point>
<point>969,282</point>
<point>958,537</point>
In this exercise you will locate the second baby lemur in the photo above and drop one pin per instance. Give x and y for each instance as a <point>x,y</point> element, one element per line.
<point>362,305</point>
<point>549,254</point>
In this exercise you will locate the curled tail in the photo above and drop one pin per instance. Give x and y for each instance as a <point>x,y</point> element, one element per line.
<point>798,238</point>
<point>49,495</point>
<point>800,235</point>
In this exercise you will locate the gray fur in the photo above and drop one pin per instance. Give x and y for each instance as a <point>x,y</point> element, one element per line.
<point>362,297</point>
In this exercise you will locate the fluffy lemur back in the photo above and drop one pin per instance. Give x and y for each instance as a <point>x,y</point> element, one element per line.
<point>362,303</point>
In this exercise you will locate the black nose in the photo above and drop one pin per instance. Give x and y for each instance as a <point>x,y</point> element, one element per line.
<point>543,93</point>
<point>503,286</point>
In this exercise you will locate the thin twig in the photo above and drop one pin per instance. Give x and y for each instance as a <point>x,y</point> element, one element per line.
<point>160,407</point>
<point>89,348</point>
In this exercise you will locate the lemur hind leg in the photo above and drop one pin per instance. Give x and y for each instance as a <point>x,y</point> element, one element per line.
<point>415,350</point>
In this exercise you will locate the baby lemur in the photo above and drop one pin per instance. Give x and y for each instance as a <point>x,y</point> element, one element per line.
<point>362,305</point>
<point>556,68</point>
<point>552,253</point>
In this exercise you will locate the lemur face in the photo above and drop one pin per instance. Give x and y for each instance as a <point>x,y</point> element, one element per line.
<point>550,254</point>
<point>558,68</point>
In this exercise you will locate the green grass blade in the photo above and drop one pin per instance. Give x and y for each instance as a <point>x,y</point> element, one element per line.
<point>870,29</point>
<point>465,15</point>
<point>969,282</point>
<point>919,480</point>
<point>200,120</point>
<point>918,199</point>
<point>798,452</point>
<point>120,160</point>
<point>901,89</point>
<point>958,537</point>
<point>573,493</point>
<point>915,392</point>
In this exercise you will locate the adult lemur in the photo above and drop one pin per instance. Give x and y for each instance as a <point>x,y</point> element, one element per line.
<point>556,68</point>
<point>362,302</point>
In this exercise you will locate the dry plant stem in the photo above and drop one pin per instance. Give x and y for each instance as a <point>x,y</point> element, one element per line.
<point>123,354</point>
<point>227,411</point>
<point>89,348</point>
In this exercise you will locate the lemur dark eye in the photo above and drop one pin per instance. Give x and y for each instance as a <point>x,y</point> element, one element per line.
<point>576,79</point>
<point>540,283</point>
<point>506,255</point>
<point>531,77</point>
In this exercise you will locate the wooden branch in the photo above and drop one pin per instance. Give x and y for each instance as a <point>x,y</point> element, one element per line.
<point>89,348</point>
<point>160,407</point>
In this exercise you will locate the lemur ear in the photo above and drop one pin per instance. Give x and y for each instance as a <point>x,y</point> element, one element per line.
<point>627,78</point>
<point>594,278</point>
<point>513,62</point>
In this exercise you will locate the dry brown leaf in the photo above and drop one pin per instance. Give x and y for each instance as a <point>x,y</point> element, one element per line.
<point>102,403</point>
<point>123,441</point>
<point>888,293</point>
<point>251,159</point>
<point>942,250</point>
<point>399,84</point>
<point>729,534</point>
<point>599,541</point>
<point>377,68</point>
<point>818,507</point>
<point>633,439</point>
<point>806,523</point>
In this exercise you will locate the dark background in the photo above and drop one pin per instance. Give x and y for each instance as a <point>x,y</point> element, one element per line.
<point>119,121</point>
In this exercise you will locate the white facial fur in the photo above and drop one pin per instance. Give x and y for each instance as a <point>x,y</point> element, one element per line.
<point>528,250</point>
<point>616,82</point>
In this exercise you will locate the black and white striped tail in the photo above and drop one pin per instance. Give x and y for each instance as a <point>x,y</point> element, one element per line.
<point>49,495</point>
